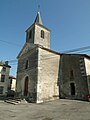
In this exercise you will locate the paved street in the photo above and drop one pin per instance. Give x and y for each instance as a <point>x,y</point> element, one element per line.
<point>56,110</point>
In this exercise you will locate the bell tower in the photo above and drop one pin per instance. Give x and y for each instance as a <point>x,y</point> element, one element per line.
<point>37,33</point>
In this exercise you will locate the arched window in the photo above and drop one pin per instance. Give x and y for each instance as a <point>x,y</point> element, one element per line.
<point>27,65</point>
<point>42,34</point>
<point>26,86</point>
<point>71,74</point>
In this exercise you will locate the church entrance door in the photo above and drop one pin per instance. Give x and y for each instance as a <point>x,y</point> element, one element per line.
<point>26,86</point>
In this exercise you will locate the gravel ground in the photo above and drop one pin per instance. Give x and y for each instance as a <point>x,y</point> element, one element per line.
<point>56,110</point>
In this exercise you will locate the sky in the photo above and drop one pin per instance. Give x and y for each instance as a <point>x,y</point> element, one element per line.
<point>68,20</point>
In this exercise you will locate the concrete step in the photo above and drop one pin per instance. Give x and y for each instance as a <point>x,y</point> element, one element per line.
<point>13,101</point>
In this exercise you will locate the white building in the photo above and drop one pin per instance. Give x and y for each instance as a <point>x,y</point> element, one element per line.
<point>4,78</point>
<point>12,83</point>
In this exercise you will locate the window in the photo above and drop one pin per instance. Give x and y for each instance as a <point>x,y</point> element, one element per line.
<point>4,68</point>
<point>26,65</point>
<point>26,86</point>
<point>1,89</point>
<point>42,34</point>
<point>30,34</point>
<point>72,86</point>
<point>71,74</point>
<point>2,78</point>
<point>10,81</point>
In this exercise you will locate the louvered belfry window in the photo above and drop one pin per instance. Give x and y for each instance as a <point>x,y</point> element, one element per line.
<point>30,34</point>
<point>42,34</point>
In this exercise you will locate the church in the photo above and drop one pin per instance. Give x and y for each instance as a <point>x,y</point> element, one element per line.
<point>44,74</point>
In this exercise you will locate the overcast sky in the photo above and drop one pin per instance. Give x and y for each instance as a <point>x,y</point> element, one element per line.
<point>68,20</point>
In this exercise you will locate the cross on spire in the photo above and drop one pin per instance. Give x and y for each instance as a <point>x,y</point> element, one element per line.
<point>38,17</point>
<point>38,8</point>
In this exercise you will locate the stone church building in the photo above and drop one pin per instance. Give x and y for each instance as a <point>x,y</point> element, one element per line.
<point>44,74</point>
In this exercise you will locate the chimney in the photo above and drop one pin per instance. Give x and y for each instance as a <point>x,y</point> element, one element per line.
<point>6,62</point>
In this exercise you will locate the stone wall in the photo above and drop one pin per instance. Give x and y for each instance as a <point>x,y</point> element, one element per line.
<point>87,65</point>
<point>45,42</point>
<point>30,72</point>
<point>48,68</point>
<point>72,71</point>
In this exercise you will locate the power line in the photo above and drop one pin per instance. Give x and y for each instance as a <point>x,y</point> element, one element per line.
<point>45,58</point>
<point>84,51</point>
<point>18,45</point>
<point>12,64</point>
<point>53,56</point>
<point>12,61</point>
<point>67,51</point>
<point>78,49</point>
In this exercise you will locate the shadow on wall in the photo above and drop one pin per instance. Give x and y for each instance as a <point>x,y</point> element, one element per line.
<point>60,76</point>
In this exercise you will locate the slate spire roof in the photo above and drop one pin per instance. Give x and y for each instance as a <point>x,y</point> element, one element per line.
<point>38,18</point>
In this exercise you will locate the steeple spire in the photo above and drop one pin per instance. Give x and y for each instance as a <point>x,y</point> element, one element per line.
<point>38,17</point>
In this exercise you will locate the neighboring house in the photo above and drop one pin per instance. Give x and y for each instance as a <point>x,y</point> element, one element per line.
<point>12,83</point>
<point>4,78</point>
<point>12,86</point>
<point>44,75</point>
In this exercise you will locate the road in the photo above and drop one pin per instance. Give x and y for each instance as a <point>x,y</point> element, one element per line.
<point>56,110</point>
